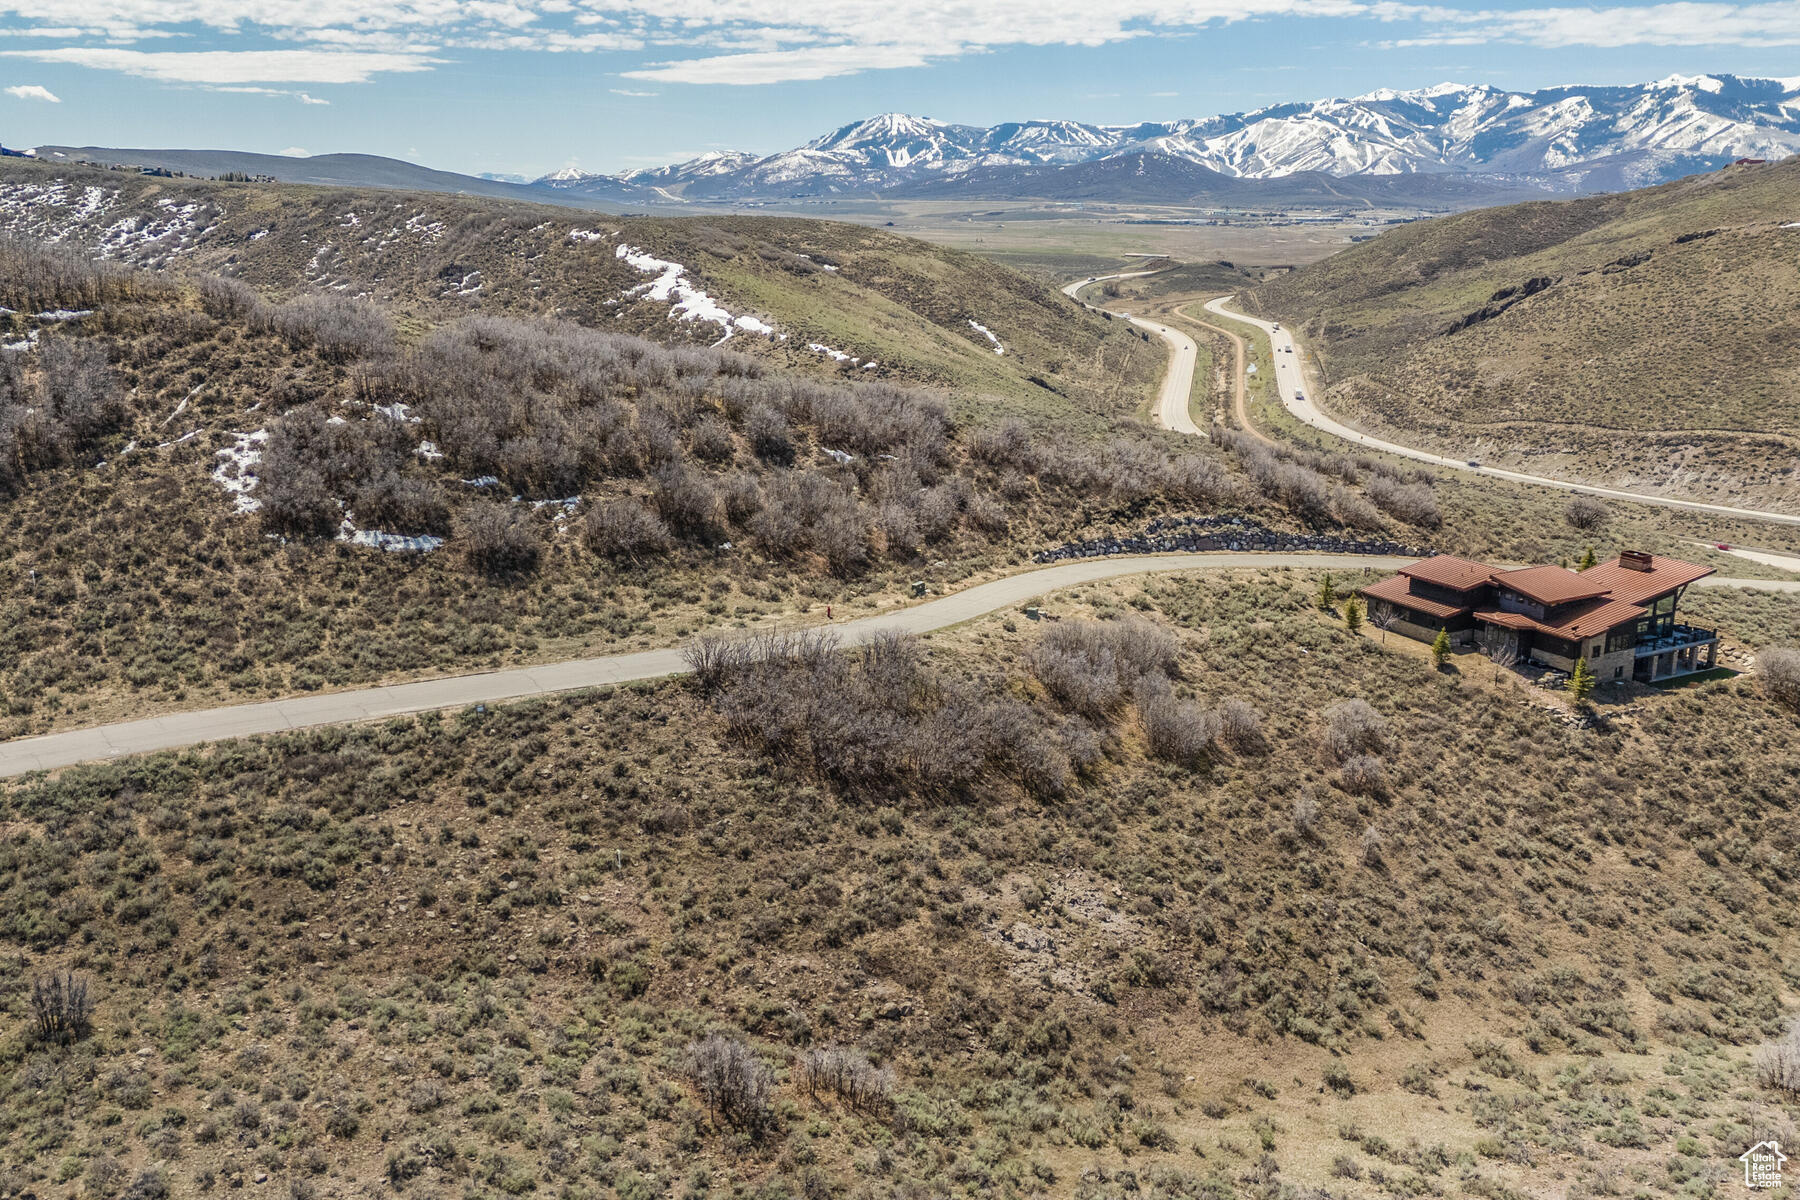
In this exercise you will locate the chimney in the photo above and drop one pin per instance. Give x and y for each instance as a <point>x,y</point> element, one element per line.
<point>1637,560</point>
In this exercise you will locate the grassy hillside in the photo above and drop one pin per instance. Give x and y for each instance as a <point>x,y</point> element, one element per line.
<point>1057,940</point>
<point>872,297</point>
<point>1647,338</point>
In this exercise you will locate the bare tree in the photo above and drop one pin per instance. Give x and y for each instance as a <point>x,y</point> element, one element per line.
<point>733,1082</point>
<point>1501,649</point>
<point>1384,619</point>
<point>61,1006</point>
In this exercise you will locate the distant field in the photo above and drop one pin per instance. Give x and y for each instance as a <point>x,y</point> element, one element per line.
<point>1020,227</point>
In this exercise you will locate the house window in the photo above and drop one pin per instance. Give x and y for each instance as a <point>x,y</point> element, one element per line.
<point>1618,672</point>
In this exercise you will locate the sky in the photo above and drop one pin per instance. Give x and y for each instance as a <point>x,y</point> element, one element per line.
<point>530,86</point>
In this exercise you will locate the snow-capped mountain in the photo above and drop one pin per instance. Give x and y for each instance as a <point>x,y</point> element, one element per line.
<point>1565,138</point>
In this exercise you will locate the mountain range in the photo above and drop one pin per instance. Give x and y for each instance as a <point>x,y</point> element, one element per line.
<point>1453,145</point>
<point>1562,139</point>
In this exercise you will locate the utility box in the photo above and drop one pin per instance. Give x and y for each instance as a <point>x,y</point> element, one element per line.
<point>918,587</point>
<point>1033,614</point>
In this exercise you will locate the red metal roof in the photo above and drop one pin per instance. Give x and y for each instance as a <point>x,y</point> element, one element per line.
<point>1635,587</point>
<point>1594,618</point>
<point>1447,570</point>
<point>1397,589</point>
<point>1552,585</point>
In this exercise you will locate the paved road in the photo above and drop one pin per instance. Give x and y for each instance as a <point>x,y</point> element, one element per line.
<point>332,708</point>
<point>1290,382</point>
<point>1173,410</point>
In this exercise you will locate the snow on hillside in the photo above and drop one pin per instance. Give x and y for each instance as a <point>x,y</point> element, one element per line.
<point>689,303</point>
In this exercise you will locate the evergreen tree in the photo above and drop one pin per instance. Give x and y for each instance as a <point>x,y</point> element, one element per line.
<point>1353,614</point>
<point>1327,592</point>
<point>1587,560</point>
<point>1440,648</point>
<point>1581,683</point>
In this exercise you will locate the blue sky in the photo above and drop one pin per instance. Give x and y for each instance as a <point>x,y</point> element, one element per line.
<point>531,85</point>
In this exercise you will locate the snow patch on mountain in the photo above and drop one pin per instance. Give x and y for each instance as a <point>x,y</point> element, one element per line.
<point>688,302</point>
<point>978,327</point>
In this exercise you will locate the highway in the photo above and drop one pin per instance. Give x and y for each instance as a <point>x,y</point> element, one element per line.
<point>1173,410</point>
<point>1290,383</point>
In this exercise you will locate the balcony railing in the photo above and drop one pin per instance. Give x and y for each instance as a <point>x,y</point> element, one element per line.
<point>1679,636</point>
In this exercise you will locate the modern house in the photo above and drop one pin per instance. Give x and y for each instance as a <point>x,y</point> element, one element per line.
<point>1618,615</point>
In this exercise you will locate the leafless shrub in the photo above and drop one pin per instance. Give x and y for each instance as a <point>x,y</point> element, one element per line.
<point>1778,668</point>
<point>1354,727</point>
<point>625,529</point>
<point>1586,513</point>
<point>1092,666</point>
<point>1240,726</point>
<point>1777,1063</point>
<point>337,326</point>
<point>36,276</point>
<point>848,1074</point>
<point>711,440</point>
<point>1363,775</point>
<point>496,538</point>
<point>1202,480</point>
<point>1178,731</point>
<point>1371,846</point>
<point>690,504</point>
<point>770,437</point>
<point>939,509</point>
<point>1413,503</point>
<point>399,504</point>
<point>988,515</point>
<point>1306,815</point>
<point>1352,511</point>
<point>62,1007</point>
<point>1005,445</point>
<point>734,1084</point>
<point>230,299</point>
<point>899,529</point>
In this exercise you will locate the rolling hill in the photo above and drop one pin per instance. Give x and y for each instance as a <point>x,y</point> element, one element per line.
<point>1646,338</point>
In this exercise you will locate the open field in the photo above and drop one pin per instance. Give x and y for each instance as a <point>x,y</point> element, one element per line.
<point>1033,230</point>
<point>479,952</point>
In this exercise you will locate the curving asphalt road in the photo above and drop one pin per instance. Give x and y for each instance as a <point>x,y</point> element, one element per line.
<point>1173,410</point>
<point>1290,382</point>
<point>367,704</point>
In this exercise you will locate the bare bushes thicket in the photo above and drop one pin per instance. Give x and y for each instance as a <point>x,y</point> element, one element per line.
<point>339,327</point>
<point>498,539</point>
<point>1778,667</point>
<point>1777,1063</point>
<point>847,1073</point>
<point>38,276</point>
<point>1302,481</point>
<point>1354,727</point>
<point>1586,513</point>
<point>734,1084</point>
<point>877,720</point>
<point>625,529</point>
<point>61,409</point>
<point>62,1007</point>
<point>1096,667</point>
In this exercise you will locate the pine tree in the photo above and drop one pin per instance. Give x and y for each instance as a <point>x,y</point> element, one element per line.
<point>1440,648</point>
<point>1353,614</point>
<point>1581,683</point>
<point>1327,592</point>
<point>1587,560</point>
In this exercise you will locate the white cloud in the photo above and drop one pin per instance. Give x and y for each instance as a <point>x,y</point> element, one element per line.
<point>302,97</point>
<point>234,66</point>
<point>629,92</point>
<point>294,152</point>
<point>1679,24</point>
<point>749,42</point>
<point>32,91</point>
